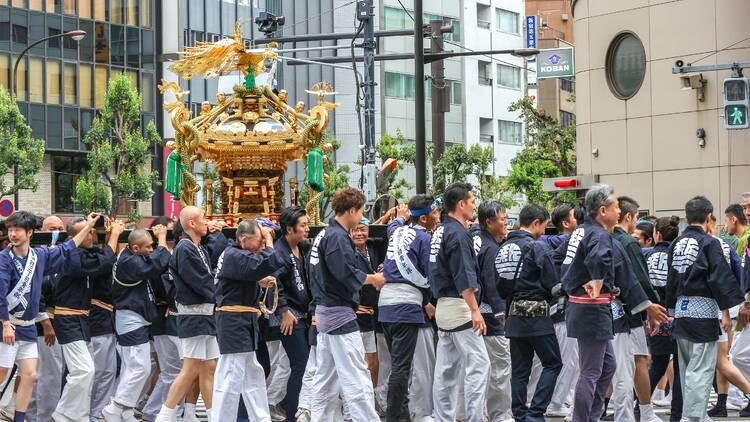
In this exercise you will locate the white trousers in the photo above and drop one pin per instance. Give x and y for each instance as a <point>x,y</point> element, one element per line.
<point>105,361</point>
<point>75,402</point>
<point>468,349</point>
<point>498,387</point>
<point>135,370</point>
<point>239,374</point>
<point>280,372</point>
<point>305,395</point>
<point>622,382</point>
<point>167,352</point>
<point>48,383</point>
<point>568,377</point>
<point>422,374</point>
<point>342,369</point>
<point>384,370</point>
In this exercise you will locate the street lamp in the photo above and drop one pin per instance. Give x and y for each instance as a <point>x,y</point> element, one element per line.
<point>77,35</point>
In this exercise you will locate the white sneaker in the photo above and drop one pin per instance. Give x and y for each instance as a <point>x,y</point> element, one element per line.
<point>658,395</point>
<point>665,402</point>
<point>167,415</point>
<point>190,417</point>
<point>303,415</point>
<point>277,413</point>
<point>129,416</point>
<point>734,405</point>
<point>647,413</point>
<point>112,413</point>
<point>557,413</point>
<point>423,419</point>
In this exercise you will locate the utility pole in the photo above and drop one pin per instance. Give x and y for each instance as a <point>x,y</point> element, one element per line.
<point>440,99</point>
<point>366,15</point>
<point>419,131</point>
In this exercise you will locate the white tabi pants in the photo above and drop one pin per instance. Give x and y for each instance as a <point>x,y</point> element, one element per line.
<point>566,381</point>
<point>384,370</point>
<point>135,371</point>
<point>622,382</point>
<point>498,386</point>
<point>167,352</point>
<point>280,372</point>
<point>739,354</point>
<point>75,402</point>
<point>239,374</point>
<point>305,395</point>
<point>105,361</point>
<point>697,367</point>
<point>342,369</point>
<point>48,384</point>
<point>469,349</point>
<point>422,374</point>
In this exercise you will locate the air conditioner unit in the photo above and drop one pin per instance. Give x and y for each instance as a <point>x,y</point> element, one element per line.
<point>564,17</point>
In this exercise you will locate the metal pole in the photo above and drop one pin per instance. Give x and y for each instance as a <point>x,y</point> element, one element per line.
<point>369,91</point>
<point>440,102</point>
<point>14,94</point>
<point>340,36</point>
<point>419,109</point>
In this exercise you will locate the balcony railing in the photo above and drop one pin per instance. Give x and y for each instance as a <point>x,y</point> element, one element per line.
<point>485,81</point>
<point>486,138</point>
<point>484,24</point>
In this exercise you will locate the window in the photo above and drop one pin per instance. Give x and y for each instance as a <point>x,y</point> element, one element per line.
<point>147,49</point>
<point>399,85</point>
<point>100,84</point>
<point>508,76</point>
<point>132,12</point>
<point>35,5</point>
<point>102,43</point>
<point>66,170</point>
<point>625,65</point>
<point>70,129</point>
<point>456,35</point>
<point>506,21</point>
<point>70,46</point>
<point>71,83</point>
<point>484,16</point>
<point>69,7</point>
<point>116,11</point>
<point>395,18</point>
<point>485,73</point>
<point>4,29</point>
<point>133,46</point>
<point>36,80</point>
<point>86,45</point>
<point>53,82</point>
<point>100,10</point>
<point>54,127</point>
<point>509,132</point>
<point>20,80</point>
<point>567,119</point>
<point>37,31</point>
<point>4,69</point>
<point>146,13</point>
<point>20,29</point>
<point>85,77</point>
<point>37,120</point>
<point>457,96</point>
<point>568,85</point>
<point>117,52</point>
<point>84,9</point>
<point>147,91</point>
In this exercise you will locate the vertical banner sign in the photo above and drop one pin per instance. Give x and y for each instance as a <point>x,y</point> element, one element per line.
<point>531,33</point>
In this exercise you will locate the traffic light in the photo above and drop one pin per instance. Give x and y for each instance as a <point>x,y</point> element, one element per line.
<point>736,103</point>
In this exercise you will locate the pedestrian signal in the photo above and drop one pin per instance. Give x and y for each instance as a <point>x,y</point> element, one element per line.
<point>736,103</point>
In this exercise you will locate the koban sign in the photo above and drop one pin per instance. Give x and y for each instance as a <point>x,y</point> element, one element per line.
<point>556,63</point>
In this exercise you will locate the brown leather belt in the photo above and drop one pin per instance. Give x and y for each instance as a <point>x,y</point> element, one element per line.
<point>100,304</point>
<point>240,309</point>
<point>62,311</point>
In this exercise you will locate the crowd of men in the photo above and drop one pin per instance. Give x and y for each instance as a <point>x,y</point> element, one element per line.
<point>452,316</point>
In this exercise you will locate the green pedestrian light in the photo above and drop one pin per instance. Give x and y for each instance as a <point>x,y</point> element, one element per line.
<point>736,103</point>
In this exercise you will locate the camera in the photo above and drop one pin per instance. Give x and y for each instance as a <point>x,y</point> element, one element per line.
<point>679,63</point>
<point>268,23</point>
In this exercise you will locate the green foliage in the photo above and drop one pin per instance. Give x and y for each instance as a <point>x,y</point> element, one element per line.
<point>457,163</point>
<point>119,157</point>
<point>17,148</point>
<point>395,147</point>
<point>548,152</point>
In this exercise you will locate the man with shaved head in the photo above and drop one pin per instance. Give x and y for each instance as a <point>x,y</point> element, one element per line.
<point>48,386</point>
<point>138,269</point>
<point>192,265</point>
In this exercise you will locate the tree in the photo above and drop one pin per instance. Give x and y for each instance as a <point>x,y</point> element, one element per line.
<point>548,152</point>
<point>17,149</point>
<point>395,147</point>
<point>119,157</point>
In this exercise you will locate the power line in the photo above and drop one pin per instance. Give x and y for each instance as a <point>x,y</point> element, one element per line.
<point>714,52</point>
<point>283,28</point>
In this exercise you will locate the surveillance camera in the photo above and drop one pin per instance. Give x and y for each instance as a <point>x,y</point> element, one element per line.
<point>700,133</point>
<point>679,63</point>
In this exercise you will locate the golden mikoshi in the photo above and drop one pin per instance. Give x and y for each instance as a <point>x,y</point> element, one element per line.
<point>249,134</point>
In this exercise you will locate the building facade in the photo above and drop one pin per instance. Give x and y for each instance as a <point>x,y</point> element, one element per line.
<point>61,83</point>
<point>637,126</point>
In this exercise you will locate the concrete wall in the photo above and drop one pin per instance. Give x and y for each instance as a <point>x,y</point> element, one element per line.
<point>647,145</point>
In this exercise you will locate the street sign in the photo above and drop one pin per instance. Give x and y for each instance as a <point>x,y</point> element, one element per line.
<point>736,103</point>
<point>6,208</point>
<point>569,183</point>
<point>555,63</point>
<point>531,33</point>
